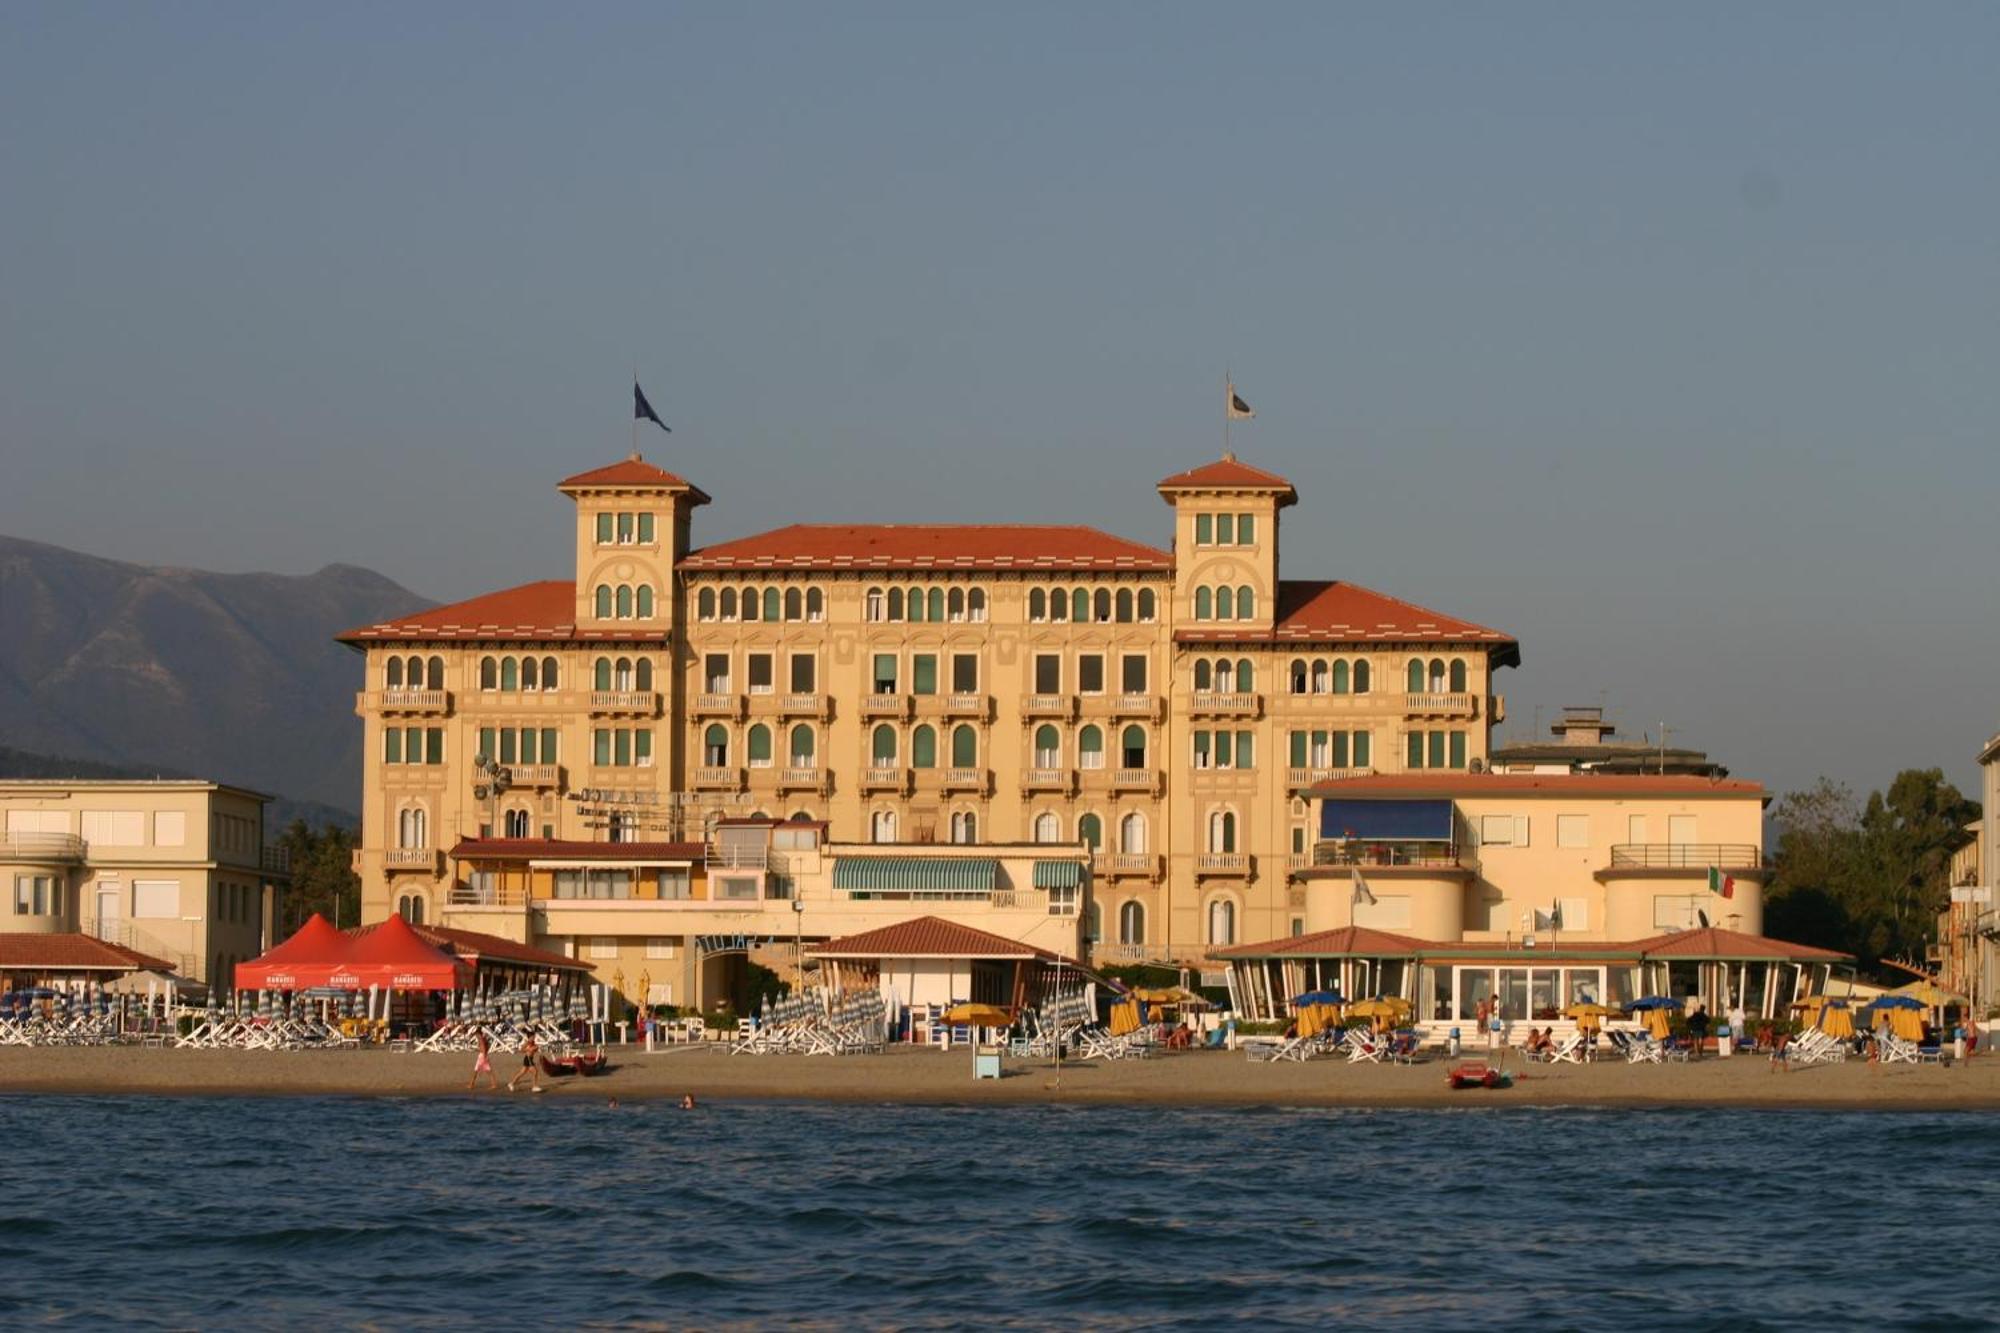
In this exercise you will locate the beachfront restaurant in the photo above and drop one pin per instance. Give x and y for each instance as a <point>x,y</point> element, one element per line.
<point>394,955</point>
<point>73,962</point>
<point>1530,981</point>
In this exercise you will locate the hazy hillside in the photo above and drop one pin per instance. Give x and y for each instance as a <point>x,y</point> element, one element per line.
<point>227,676</point>
<point>282,810</point>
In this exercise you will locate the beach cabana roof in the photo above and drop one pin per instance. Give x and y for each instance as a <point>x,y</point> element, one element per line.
<point>475,947</point>
<point>930,937</point>
<point>394,955</point>
<point>1346,942</point>
<point>1713,942</point>
<point>71,951</point>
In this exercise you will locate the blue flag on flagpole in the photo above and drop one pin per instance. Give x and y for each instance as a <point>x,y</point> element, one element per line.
<point>643,410</point>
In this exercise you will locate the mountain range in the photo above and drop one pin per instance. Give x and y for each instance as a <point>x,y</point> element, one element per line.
<point>144,669</point>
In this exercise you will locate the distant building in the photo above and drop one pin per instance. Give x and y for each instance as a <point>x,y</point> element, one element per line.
<point>177,870</point>
<point>1583,744</point>
<point>1967,954</point>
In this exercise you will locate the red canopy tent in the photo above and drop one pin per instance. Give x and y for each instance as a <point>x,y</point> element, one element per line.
<point>313,956</point>
<point>397,958</point>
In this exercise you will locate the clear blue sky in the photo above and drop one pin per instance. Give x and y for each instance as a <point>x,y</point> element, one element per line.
<point>1666,341</point>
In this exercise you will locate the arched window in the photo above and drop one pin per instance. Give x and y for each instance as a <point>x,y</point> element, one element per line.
<point>875,605</point>
<point>704,603</point>
<point>1103,605</point>
<point>1225,603</point>
<point>1134,746</point>
<point>1246,603</point>
<point>1132,923</point>
<point>1222,831</point>
<point>1048,747</point>
<point>1437,677</point>
<point>750,604</point>
<point>935,604</point>
<point>923,748</point>
<point>604,601</point>
<point>392,674</point>
<point>1224,675</point>
<point>913,602</point>
<point>1415,681</point>
<point>1204,604</point>
<point>955,604</point>
<point>621,674</point>
<point>489,673</point>
<point>515,822</point>
<point>803,746</point>
<point>1222,922</point>
<point>1246,679</point>
<point>624,601</point>
<point>1124,606</point>
<point>1079,605</point>
<point>729,603</point>
<point>1048,828</point>
<point>1361,677</point>
<point>965,827</point>
<point>760,746</point>
<point>531,674</point>
<point>1148,604</point>
<point>644,602</point>
<point>624,827</point>
<point>1204,675</point>
<point>550,675</point>
<point>1090,748</point>
<point>510,674</point>
<point>413,827</point>
<point>1132,834</point>
<point>1038,605</point>
<point>975,604</point>
<point>795,603</point>
<point>1340,676</point>
<point>411,908</point>
<point>1059,605</point>
<point>1458,675</point>
<point>772,600</point>
<point>882,828</point>
<point>882,746</point>
<point>815,604</point>
<point>715,746</point>
<point>436,674</point>
<point>964,747</point>
<point>895,603</point>
<point>1319,676</point>
<point>1090,832</point>
<point>600,674</point>
<point>1298,675</point>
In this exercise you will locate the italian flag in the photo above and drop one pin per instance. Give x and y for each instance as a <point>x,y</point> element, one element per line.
<point>1721,883</point>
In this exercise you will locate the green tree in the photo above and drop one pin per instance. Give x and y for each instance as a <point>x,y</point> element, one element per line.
<point>323,878</point>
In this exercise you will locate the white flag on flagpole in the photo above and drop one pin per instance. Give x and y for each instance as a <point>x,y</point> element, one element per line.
<point>1238,410</point>
<point>1361,890</point>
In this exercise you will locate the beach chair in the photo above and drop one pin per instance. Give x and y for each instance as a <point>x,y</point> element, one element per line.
<point>1894,1050</point>
<point>1364,1047</point>
<point>1642,1048</point>
<point>1569,1051</point>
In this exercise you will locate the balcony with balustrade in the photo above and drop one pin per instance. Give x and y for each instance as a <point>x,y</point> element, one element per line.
<point>633,703</point>
<point>1242,704</point>
<point>805,777</point>
<point>819,707</point>
<point>1126,865</point>
<point>1048,707</point>
<point>1060,780</point>
<point>719,703</point>
<point>423,859</point>
<point>1138,781</point>
<point>40,848</point>
<point>542,777</point>
<point>893,778</point>
<point>714,778</point>
<point>1139,707</point>
<point>895,706</point>
<point>1441,705</point>
<point>976,781</point>
<point>1300,778</point>
<point>415,701</point>
<point>973,707</point>
<point>1239,865</point>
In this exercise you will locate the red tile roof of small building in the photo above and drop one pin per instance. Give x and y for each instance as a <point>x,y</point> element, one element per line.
<point>70,951</point>
<point>1716,942</point>
<point>1712,942</point>
<point>928,937</point>
<point>1229,473</point>
<point>1389,786</point>
<point>634,472</point>
<point>533,611</point>
<point>1347,941</point>
<point>549,849</point>
<point>473,945</point>
<point>1331,611</point>
<point>940,546</point>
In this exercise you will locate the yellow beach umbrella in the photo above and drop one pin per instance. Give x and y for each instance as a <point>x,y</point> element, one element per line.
<point>1589,1016</point>
<point>1125,1018</point>
<point>1655,1021</point>
<point>979,1015</point>
<point>1905,1023</point>
<point>1929,994</point>
<point>1836,1021</point>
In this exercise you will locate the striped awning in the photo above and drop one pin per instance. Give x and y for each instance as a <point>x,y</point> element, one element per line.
<point>1058,874</point>
<point>917,874</point>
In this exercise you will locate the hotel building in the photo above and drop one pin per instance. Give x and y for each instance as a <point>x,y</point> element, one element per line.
<point>1160,711</point>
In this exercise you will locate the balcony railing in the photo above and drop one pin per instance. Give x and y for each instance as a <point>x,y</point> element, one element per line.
<point>817,706</point>
<point>886,705</point>
<point>1437,855</point>
<point>1043,706</point>
<point>1440,705</point>
<point>889,777</point>
<point>976,706</point>
<point>1312,777</point>
<point>41,847</point>
<point>1047,779</point>
<point>410,858</point>
<point>416,701</point>
<point>718,779</point>
<point>1686,856</point>
<point>536,775</point>
<point>1131,953</point>
<point>486,895</point>
<point>965,779</point>
<point>1136,779</point>
<point>1149,706</point>
<point>624,701</point>
<point>1229,705</point>
<point>805,778</point>
<point>718,703</point>
<point>1122,864</point>
<point>1224,863</point>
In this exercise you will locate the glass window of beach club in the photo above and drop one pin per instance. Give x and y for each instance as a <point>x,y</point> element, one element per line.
<point>1528,994</point>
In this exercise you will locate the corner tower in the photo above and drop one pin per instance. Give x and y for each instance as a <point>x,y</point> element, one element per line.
<point>1226,543</point>
<point>632,527</point>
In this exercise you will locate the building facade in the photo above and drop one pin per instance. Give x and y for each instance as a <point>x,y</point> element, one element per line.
<point>1165,707</point>
<point>177,870</point>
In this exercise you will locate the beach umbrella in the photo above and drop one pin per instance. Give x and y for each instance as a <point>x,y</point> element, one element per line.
<point>1835,1019</point>
<point>1652,1002</point>
<point>1589,1016</point>
<point>1655,1020</point>
<point>1896,1000</point>
<point>1319,997</point>
<point>1927,994</point>
<point>979,1015</point>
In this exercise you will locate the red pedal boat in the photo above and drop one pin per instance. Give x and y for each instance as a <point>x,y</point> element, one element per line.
<point>1478,1074</point>
<point>586,1066</point>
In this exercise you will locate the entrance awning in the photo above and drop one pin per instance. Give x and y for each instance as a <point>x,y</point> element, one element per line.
<point>1058,874</point>
<point>1386,821</point>
<point>917,874</point>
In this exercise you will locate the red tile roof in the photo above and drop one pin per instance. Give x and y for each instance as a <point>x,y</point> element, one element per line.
<point>73,952</point>
<point>534,611</point>
<point>1329,611</point>
<point>474,946</point>
<point>1348,941</point>
<point>1229,473</point>
<point>547,849</point>
<point>929,937</point>
<point>1389,786</point>
<point>634,472</point>
<point>1715,942</point>
<point>931,546</point>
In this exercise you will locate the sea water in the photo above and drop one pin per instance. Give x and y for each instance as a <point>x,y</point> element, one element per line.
<point>313,1212</point>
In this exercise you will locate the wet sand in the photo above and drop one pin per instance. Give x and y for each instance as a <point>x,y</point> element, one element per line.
<point>1200,1078</point>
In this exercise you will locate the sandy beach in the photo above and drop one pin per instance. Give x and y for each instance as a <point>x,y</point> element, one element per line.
<point>922,1076</point>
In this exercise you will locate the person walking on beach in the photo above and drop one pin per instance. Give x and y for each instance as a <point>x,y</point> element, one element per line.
<point>531,1068</point>
<point>1698,1028</point>
<point>483,1064</point>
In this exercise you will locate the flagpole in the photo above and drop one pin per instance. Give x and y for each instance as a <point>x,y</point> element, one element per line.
<point>1228,388</point>
<point>635,410</point>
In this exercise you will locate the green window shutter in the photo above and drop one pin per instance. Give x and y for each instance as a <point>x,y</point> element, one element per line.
<point>1458,749</point>
<point>645,601</point>
<point>1201,748</point>
<point>1340,749</point>
<point>603,529</point>
<point>510,673</point>
<point>1362,757</point>
<point>549,755</point>
<point>529,750</point>
<point>1246,529</point>
<point>488,741</point>
<point>1415,679</point>
<point>1079,606</point>
<point>1204,604</point>
<point>601,674</point>
<point>1415,758</point>
<point>1246,603</point>
<point>508,753</point>
<point>964,748</point>
<point>884,746</point>
<point>642,745</point>
<point>1298,750</point>
<point>1246,749</point>
<point>600,742</point>
<point>434,746</point>
<point>1225,530</point>
<point>1225,603</point>
<point>1340,678</point>
<point>1223,748</point>
<point>646,529</point>
<point>760,744</point>
<point>1436,757</point>
<point>603,601</point>
<point>923,748</point>
<point>1204,529</point>
<point>621,747</point>
<point>773,604</point>
<point>936,604</point>
<point>923,673</point>
<point>885,672</point>
<point>392,745</point>
<point>1458,675</point>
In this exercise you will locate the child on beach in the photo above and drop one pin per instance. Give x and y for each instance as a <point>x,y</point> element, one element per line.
<point>483,1064</point>
<point>531,1068</point>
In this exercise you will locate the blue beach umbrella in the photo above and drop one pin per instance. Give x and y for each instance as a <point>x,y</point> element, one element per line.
<point>1652,1002</point>
<point>1895,1002</point>
<point>1319,997</point>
